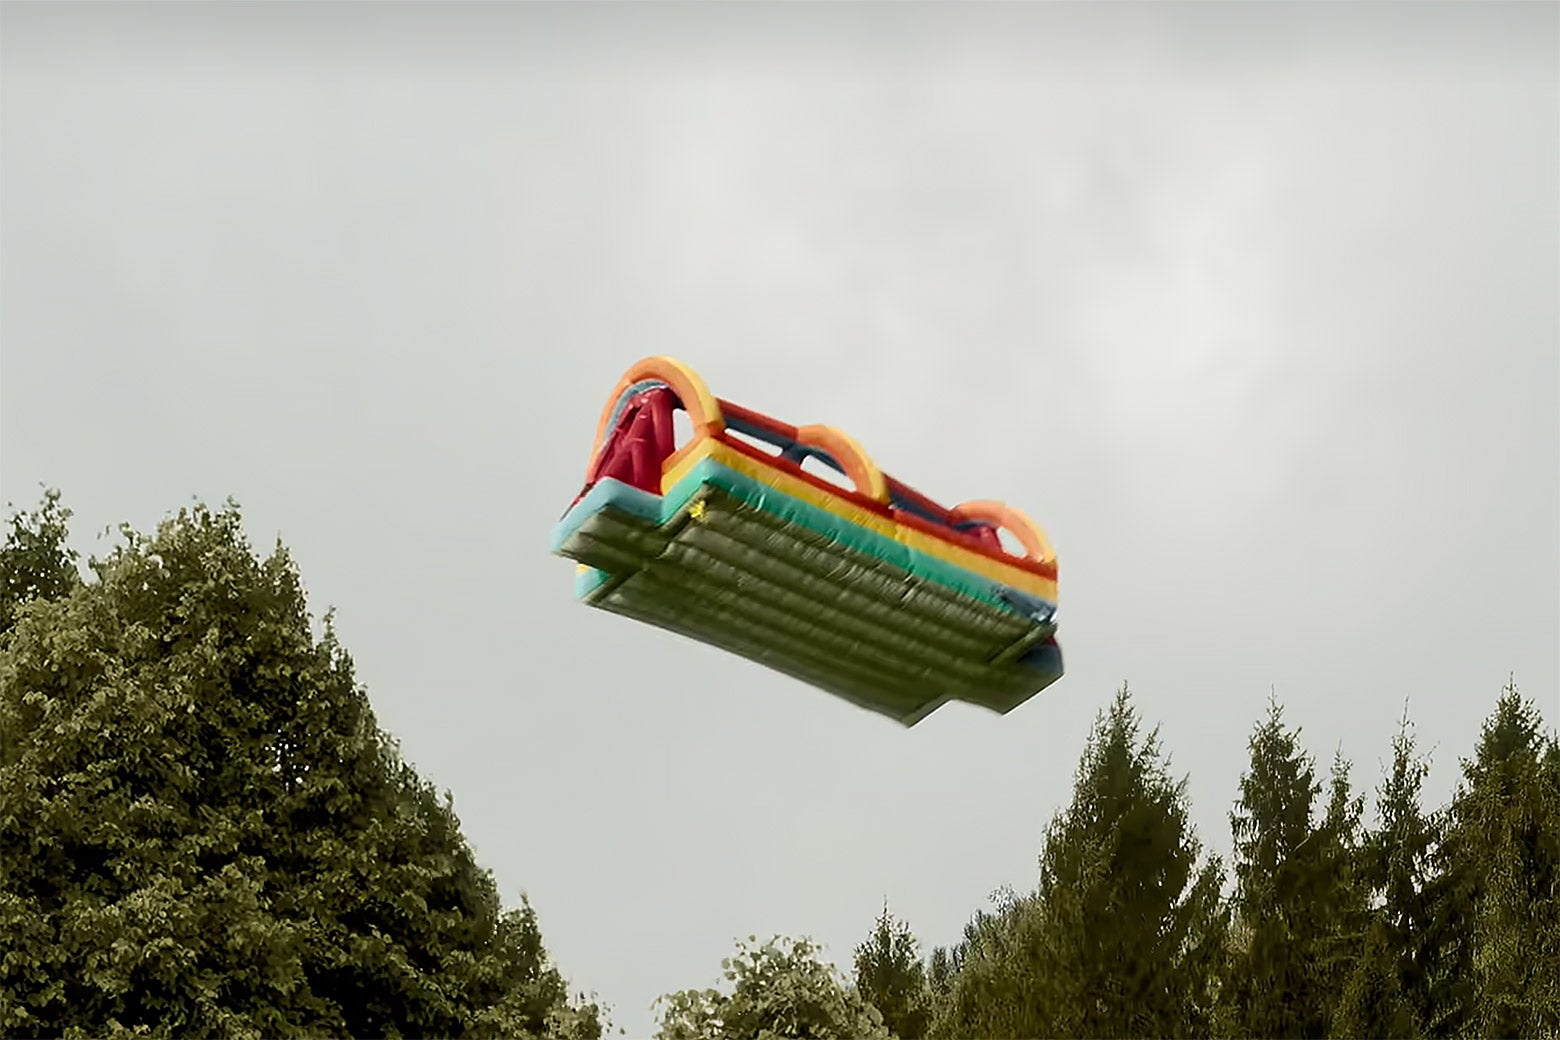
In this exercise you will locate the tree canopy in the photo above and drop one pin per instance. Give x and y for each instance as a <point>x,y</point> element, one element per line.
<point>204,832</point>
<point>1497,910</point>
<point>1122,934</point>
<point>780,989</point>
<point>891,976</point>
<point>1293,890</point>
<point>1387,992</point>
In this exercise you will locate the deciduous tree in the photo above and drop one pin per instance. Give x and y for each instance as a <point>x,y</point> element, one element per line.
<point>204,833</point>
<point>780,989</point>
<point>35,562</point>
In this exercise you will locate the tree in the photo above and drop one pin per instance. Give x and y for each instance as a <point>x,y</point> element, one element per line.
<point>998,980</point>
<point>1294,898</point>
<point>1388,994</point>
<point>1372,1003</point>
<point>890,976</point>
<point>781,989</point>
<point>35,563</point>
<point>945,967</point>
<point>203,831</point>
<point>940,973</point>
<point>1495,919</point>
<point>1123,934</point>
<point>1342,894</point>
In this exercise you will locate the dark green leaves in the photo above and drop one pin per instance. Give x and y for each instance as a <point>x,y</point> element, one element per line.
<point>1294,897</point>
<point>890,976</point>
<point>1495,918</point>
<point>780,989</point>
<point>34,562</point>
<point>204,832</point>
<point>1122,936</point>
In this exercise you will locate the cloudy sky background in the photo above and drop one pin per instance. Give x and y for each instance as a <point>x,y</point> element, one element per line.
<point>1253,308</point>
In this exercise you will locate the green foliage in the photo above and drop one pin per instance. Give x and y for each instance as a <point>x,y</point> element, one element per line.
<point>34,562</point>
<point>1123,935</point>
<point>1497,912</point>
<point>1372,1003</point>
<point>781,989</point>
<point>1438,924</point>
<point>940,969</point>
<point>203,831</point>
<point>1341,894</point>
<point>1389,993</point>
<point>1295,903</point>
<point>890,976</point>
<point>999,983</point>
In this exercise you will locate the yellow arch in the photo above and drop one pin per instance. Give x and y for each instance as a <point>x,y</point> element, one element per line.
<point>845,450</point>
<point>1028,533</point>
<point>697,401</point>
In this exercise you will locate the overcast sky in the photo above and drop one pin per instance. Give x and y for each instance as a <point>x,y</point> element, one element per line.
<point>1253,308</point>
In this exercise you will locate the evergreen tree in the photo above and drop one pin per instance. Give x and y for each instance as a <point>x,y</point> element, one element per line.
<point>1122,936</point>
<point>204,833</point>
<point>1343,894</point>
<point>1372,1003</point>
<point>781,989</point>
<point>1393,982</point>
<point>940,971</point>
<point>1496,915</point>
<point>1295,899</point>
<point>996,981</point>
<point>890,975</point>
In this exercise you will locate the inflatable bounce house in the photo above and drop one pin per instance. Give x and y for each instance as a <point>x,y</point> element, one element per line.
<point>872,592</point>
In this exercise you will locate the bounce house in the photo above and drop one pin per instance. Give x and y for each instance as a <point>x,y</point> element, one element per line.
<point>872,591</point>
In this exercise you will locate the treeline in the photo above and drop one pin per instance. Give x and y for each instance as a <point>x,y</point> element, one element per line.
<point>203,832</point>
<point>1443,923</point>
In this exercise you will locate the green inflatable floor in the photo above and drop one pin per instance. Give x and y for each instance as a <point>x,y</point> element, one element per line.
<point>755,580</point>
